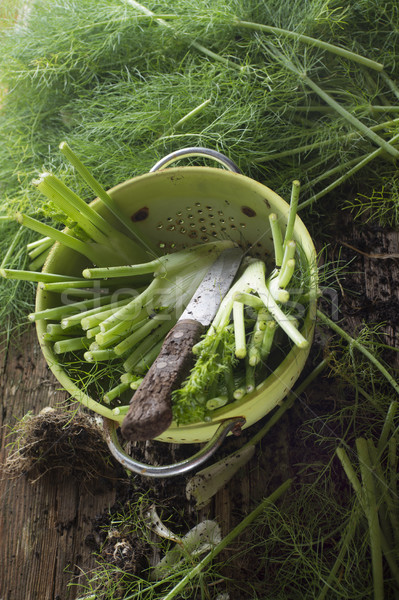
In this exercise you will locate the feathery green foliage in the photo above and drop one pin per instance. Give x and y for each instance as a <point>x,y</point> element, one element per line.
<point>124,88</point>
<point>114,81</point>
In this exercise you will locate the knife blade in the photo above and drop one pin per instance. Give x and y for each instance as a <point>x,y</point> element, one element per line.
<point>150,411</point>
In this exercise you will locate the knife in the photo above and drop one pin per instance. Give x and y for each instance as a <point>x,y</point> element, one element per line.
<point>150,411</point>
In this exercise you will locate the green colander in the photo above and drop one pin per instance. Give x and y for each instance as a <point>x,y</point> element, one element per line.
<point>175,208</point>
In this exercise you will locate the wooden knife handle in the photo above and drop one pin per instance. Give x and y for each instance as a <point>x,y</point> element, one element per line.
<point>150,411</point>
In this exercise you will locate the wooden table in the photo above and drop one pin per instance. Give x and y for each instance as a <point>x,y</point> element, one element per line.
<point>44,525</point>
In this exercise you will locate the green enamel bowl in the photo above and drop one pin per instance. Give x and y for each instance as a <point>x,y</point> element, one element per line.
<point>182,206</point>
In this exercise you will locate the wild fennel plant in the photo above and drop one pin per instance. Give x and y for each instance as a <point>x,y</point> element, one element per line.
<point>38,61</point>
<point>124,88</point>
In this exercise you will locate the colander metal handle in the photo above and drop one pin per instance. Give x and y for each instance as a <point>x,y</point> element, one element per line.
<point>187,152</point>
<point>233,424</point>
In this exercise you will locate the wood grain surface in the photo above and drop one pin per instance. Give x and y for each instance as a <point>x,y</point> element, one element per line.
<point>44,525</point>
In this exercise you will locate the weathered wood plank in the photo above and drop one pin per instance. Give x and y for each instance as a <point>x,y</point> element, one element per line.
<point>374,292</point>
<point>43,525</point>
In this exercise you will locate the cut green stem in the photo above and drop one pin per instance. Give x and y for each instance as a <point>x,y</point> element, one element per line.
<point>99,355</point>
<point>282,320</point>
<point>40,248</point>
<point>105,197</point>
<point>115,392</point>
<point>67,310</point>
<point>37,243</point>
<point>96,314</point>
<point>267,341</point>
<point>121,271</point>
<point>71,345</point>
<point>249,300</point>
<point>58,236</point>
<point>289,253</point>
<point>277,239</point>
<point>239,330</point>
<point>144,328</point>
<point>60,286</point>
<point>255,345</point>
<point>92,319</point>
<point>37,276</point>
<point>286,273</point>
<point>146,346</point>
<point>146,361</point>
<point>72,205</point>
<point>351,474</point>
<point>296,186</point>
<point>39,261</point>
<point>186,118</point>
<point>120,320</point>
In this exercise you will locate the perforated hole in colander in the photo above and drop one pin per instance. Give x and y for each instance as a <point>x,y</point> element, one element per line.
<point>202,222</point>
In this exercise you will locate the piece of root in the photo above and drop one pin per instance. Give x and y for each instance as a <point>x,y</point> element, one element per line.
<point>70,443</point>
